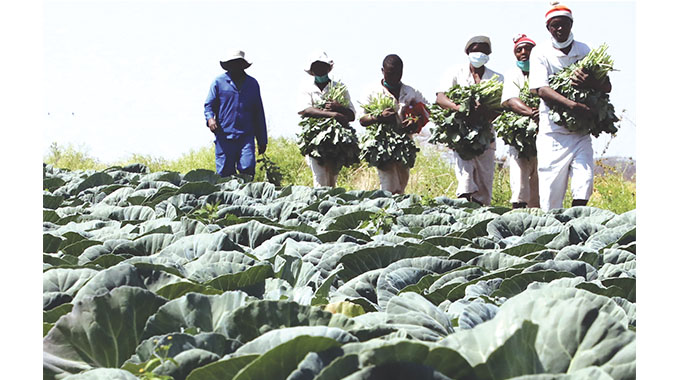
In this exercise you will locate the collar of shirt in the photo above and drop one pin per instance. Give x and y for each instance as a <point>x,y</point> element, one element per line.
<point>229,80</point>
<point>470,79</point>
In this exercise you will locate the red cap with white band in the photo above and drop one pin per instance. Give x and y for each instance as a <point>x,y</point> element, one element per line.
<point>558,10</point>
<point>522,39</point>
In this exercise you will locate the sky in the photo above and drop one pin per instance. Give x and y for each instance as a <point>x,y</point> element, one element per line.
<point>124,77</point>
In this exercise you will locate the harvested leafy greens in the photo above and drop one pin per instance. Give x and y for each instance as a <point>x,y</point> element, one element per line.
<point>384,143</point>
<point>517,130</point>
<point>325,139</point>
<point>598,63</point>
<point>469,134</point>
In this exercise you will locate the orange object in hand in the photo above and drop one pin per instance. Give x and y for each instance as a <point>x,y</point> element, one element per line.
<point>419,113</point>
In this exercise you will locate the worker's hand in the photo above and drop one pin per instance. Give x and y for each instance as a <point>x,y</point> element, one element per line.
<point>454,107</point>
<point>388,115</point>
<point>342,119</point>
<point>261,148</point>
<point>581,79</point>
<point>477,105</point>
<point>580,109</point>
<point>534,114</point>
<point>479,112</point>
<point>212,124</point>
<point>333,105</point>
<point>409,126</point>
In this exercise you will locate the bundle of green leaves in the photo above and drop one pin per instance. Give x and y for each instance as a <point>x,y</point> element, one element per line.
<point>598,63</point>
<point>272,171</point>
<point>385,142</point>
<point>325,139</point>
<point>468,133</point>
<point>517,130</point>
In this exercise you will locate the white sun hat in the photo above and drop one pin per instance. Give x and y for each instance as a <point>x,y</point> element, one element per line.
<point>319,56</point>
<point>233,55</point>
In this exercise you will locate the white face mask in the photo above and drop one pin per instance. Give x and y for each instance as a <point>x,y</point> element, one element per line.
<point>562,45</point>
<point>478,59</point>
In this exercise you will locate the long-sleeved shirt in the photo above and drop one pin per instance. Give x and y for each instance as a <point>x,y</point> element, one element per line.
<point>237,111</point>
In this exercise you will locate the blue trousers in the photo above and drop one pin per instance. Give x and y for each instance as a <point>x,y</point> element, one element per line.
<point>237,153</point>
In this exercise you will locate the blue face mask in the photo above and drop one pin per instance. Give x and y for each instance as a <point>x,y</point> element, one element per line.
<point>322,79</point>
<point>523,65</point>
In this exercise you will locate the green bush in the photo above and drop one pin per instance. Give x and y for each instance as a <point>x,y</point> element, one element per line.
<point>432,175</point>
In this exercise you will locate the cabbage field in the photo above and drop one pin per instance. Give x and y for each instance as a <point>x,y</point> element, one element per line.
<point>162,275</point>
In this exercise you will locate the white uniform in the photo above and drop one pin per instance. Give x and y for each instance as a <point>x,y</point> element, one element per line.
<point>324,175</point>
<point>394,175</point>
<point>474,176</point>
<point>561,153</point>
<point>523,171</point>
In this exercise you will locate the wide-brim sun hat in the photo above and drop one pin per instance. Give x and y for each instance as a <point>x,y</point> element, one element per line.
<point>319,56</point>
<point>234,55</point>
<point>480,40</point>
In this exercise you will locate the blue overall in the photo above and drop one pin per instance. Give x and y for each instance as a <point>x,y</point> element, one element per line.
<point>232,154</point>
<point>240,118</point>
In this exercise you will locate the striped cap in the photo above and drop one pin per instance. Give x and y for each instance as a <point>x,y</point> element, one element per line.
<point>558,10</point>
<point>523,39</point>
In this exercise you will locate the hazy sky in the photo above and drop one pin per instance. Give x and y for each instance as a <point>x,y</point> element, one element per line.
<point>125,77</point>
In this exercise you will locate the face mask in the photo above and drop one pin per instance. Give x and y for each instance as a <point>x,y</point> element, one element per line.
<point>322,79</point>
<point>390,87</point>
<point>523,65</point>
<point>478,59</point>
<point>562,45</point>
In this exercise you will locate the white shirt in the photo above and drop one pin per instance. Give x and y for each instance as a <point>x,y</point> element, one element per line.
<point>545,61</point>
<point>309,94</point>
<point>407,95</point>
<point>461,75</point>
<point>513,83</point>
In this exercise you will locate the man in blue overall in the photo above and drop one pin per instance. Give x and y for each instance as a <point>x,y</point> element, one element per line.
<point>234,113</point>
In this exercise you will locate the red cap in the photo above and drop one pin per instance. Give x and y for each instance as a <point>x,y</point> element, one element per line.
<point>522,39</point>
<point>558,10</point>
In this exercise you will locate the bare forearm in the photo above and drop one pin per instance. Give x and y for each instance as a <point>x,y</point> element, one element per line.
<point>551,96</point>
<point>518,106</point>
<point>316,112</point>
<point>444,102</point>
<point>367,120</point>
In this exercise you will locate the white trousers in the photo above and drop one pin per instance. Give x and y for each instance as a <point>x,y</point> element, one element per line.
<point>475,176</point>
<point>393,177</point>
<point>561,156</point>
<point>324,175</point>
<point>523,178</point>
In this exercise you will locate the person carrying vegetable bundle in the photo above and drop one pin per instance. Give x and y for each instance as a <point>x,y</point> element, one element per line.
<point>561,152</point>
<point>394,113</point>
<point>234,113</point>
<point>474,174</point>
<point>323,98</point>
<point>522,162</point>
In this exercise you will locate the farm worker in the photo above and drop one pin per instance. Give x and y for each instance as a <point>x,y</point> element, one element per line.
<point>475,176</point>
<point>319,65</point>
<point>234,113</point>
<point>523,170</point>
<point>394,175</point>
<point>562,153</point>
